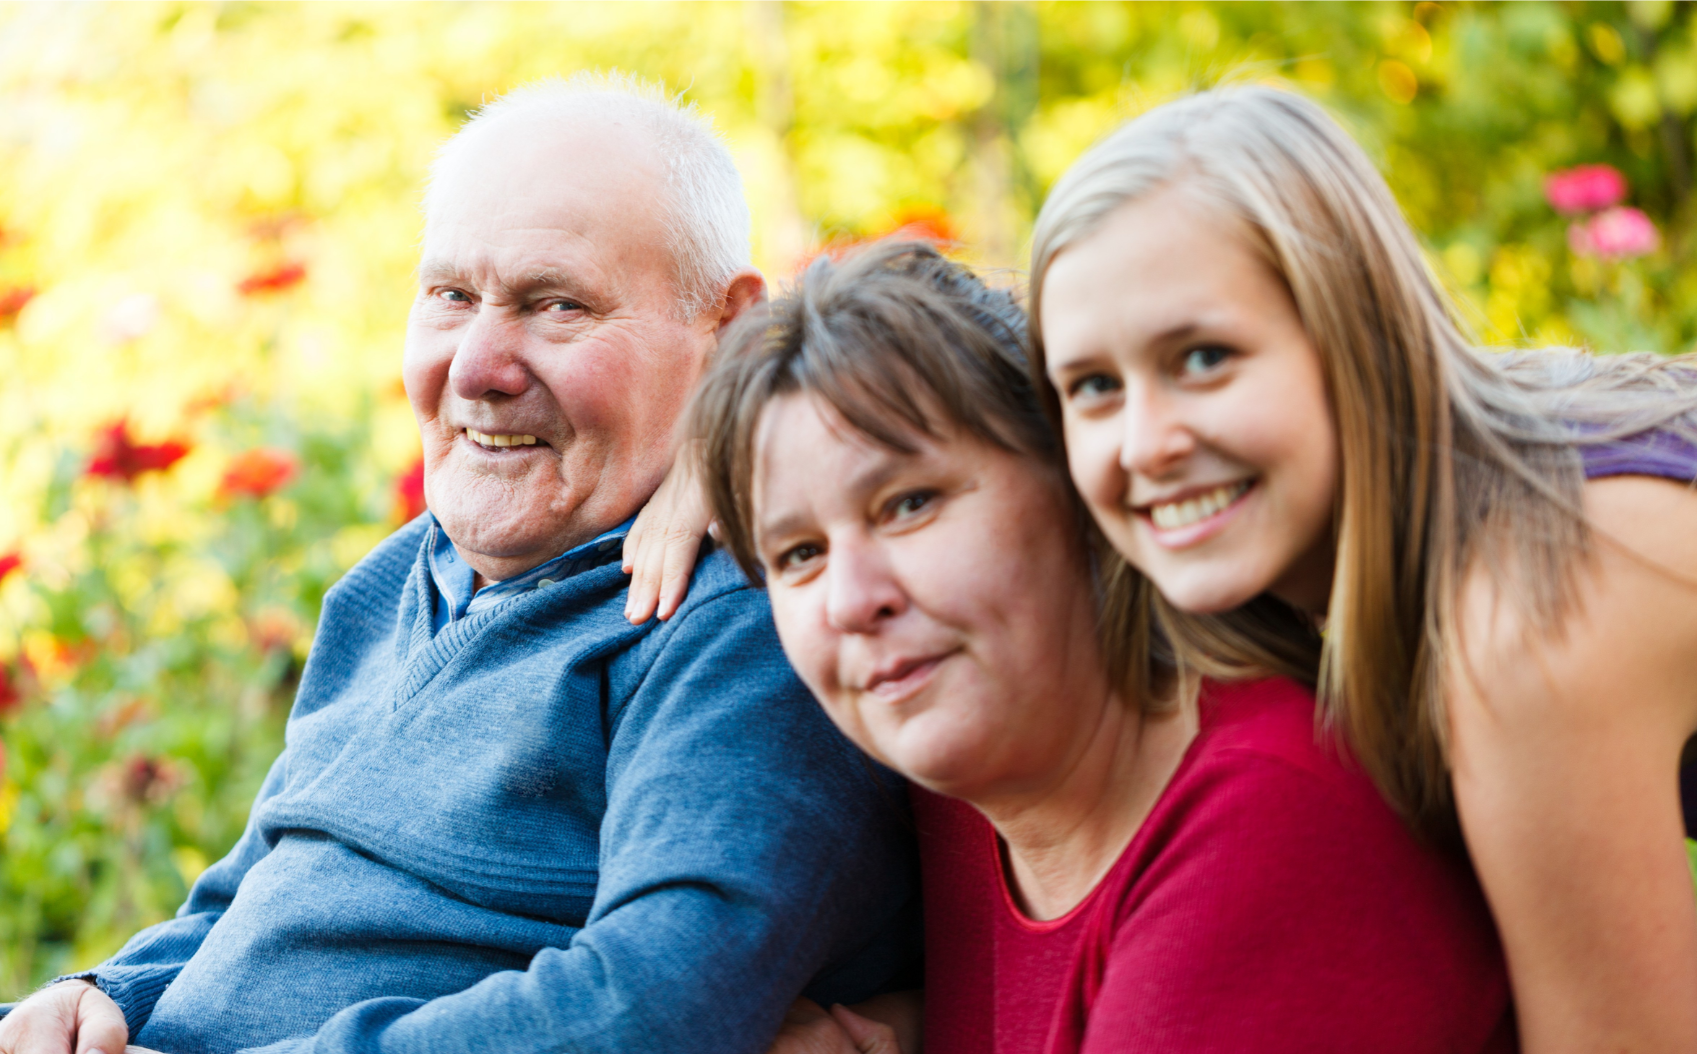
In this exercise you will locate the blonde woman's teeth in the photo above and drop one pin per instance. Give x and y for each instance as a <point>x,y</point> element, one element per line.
<point>492,440</point>
<point>1194,510</point>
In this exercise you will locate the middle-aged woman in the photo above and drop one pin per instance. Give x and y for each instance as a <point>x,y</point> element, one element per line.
<point>1104,870</point>
<point>1484,562</point>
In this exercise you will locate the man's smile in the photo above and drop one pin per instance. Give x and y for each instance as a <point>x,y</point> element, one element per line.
<point>490,441</point>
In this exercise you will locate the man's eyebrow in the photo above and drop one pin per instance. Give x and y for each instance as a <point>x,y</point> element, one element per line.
<point>436,271</point>
<point>433,272</point>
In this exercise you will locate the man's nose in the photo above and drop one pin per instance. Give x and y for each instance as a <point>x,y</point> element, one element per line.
<point>1156,437</point>
<point>490,358</point>
<point>861,589</point>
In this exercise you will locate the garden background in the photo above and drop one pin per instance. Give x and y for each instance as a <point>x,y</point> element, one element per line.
<point>208,223</point>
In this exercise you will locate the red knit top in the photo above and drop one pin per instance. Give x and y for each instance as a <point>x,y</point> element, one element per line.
<point>1271,902</point>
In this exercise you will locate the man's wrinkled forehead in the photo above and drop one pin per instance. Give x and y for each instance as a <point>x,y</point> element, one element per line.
<point>578,184</point>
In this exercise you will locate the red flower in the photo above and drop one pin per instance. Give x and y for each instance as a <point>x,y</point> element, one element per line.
<point>13,300</point>
<point>273,281</point>
<point>258,472</point>
<point>1618,233</point>
<point>10,697</point>
<point>1584,189</point>
<point>117,456</point>
<point>148,780</point>
<point>409,492</point>
<point>924,225</point>
<point>932,226</point>
<point>10,562</point>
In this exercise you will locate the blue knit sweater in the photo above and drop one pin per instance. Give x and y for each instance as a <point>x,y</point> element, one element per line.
<point>539,828</point>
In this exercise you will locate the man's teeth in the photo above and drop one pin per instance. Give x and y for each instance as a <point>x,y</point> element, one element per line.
<point>488,440</point>
<point>1195,510</point>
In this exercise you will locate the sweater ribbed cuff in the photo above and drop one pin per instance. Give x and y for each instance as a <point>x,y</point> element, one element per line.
<point>134,988</point>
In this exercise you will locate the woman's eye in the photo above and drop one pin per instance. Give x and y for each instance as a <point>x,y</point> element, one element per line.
<point>798,555</point>
<point>1201,360</point>
<point>1093,387</point>
<point>909,504</point>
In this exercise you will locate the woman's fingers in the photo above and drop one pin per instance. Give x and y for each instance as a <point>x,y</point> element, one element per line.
<point>869,1036</point>
<point>682,545</point>
<point>640,565</point>
<point>663,543</point>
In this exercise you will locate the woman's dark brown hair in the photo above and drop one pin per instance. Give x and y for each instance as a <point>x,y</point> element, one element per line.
<point>903,343</point>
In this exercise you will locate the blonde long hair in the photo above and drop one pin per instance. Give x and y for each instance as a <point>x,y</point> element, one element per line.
<point>1448,454</point>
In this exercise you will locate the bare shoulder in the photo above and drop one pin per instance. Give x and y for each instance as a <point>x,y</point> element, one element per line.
<point>1628,633</point>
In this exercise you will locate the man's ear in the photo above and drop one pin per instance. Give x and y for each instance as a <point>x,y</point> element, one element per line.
<point>747,289</point>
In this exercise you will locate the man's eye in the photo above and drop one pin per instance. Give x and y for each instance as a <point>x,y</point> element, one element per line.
<point>1094,386</point>
<point>454,296</point>
<point>562,306</point>
<point>798,555</point>
<point>1201,360</point>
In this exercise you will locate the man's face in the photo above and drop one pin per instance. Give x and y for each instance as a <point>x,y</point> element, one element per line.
<point>545,358</point>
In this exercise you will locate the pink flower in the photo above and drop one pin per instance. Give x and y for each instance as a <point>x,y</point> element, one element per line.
<point>1619,233</point>
<point>1584,189</point>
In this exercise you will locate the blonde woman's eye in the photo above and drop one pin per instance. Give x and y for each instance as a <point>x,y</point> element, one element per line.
<point>1201,360</point>
<point>1094,386</point>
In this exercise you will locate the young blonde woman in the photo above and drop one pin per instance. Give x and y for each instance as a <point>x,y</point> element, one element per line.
<point>1485,563</point>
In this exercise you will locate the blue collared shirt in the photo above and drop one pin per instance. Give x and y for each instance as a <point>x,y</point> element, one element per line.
<point>457,597</point>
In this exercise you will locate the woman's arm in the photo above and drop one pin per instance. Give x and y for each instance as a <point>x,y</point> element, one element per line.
<point>1565,753</point>
<point>662,545</point>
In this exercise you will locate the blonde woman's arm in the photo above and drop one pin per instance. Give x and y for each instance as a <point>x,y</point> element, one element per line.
<point>1565,753</point>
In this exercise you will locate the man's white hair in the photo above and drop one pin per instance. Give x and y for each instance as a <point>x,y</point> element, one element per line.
<point>706,217</point>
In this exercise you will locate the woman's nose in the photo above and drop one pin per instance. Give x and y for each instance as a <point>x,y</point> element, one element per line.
<point>862,591</point>
<point>490,358</point>
<point>1155,436</point>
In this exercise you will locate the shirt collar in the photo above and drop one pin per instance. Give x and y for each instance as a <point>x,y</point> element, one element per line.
<point>454,577</point>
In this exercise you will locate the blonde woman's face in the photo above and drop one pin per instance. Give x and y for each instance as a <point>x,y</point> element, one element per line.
<point>1197,423</point>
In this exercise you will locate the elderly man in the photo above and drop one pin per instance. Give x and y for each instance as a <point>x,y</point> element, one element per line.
<point>506,818</point>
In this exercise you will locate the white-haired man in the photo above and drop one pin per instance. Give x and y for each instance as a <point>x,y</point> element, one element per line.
<point>507,819</point>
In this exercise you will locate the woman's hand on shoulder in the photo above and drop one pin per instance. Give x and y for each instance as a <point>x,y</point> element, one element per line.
<point>810,1029</point>
<point>660,550</point>
<point>1564,749</point>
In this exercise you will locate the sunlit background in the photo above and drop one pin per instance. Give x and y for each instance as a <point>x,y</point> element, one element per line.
<point>208,221</point>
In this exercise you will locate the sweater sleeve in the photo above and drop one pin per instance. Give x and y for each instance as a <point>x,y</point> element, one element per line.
<point>1291,911</point>
<point>747,852</point>
<point>148,962</point>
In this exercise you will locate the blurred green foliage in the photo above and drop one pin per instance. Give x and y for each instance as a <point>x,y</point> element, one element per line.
<point>208,223</point>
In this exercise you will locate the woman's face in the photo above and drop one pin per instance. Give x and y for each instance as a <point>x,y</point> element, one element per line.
<point>1197,423</point>
<point>938,604</point>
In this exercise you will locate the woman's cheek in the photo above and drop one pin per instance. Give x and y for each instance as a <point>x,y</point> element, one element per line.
<point>1093,457</point>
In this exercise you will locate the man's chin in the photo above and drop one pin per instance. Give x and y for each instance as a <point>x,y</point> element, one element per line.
<point>500,533</point>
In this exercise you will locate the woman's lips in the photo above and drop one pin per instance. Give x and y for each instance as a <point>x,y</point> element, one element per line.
<point>1219,505</point>
<point>895,681</point>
